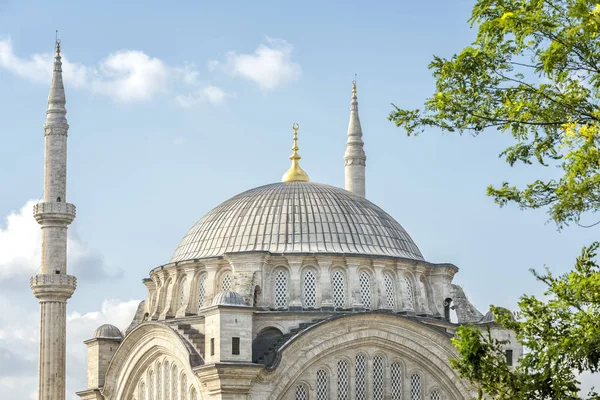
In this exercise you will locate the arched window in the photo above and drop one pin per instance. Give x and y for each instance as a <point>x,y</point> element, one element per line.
<point>142,391</point>
<point>174,383</point>
<point>201,291</point>
<point>435,395</point>
<point>159,392</point>
<point>342,380</point>
<point>447,305</point>
<point>415,387</point>
<point>378,378</point>
<point>150,384</point>
<point>193,395</point>
<point>226,281</point>
<point>301,392</point>
<point>184,388</point>
<point>360,384</point>
<point>339,289</point>
<point>396,373</point>
<point>390,293</point>
<point>166,385</point>
<point>322,385</point>
<point>365,289</point>
<point>409,293</point>
<point>281,289</point>
<point>182,291</point>
<point>309,289</point>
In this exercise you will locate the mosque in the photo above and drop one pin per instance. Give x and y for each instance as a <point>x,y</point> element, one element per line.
<point>293,290</point>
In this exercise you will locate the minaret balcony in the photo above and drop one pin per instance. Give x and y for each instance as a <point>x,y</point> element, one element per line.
<point>64,212</point>
<point>58,287</point>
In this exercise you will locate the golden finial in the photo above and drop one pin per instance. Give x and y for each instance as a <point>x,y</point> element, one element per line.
<point>295,173</point>
<point>57,43</point>
<point>354,86</point>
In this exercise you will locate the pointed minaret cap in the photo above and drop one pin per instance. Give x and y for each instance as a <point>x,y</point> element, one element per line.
<point>295,173</point>
<point>354,144</point>
<point>56,114</point>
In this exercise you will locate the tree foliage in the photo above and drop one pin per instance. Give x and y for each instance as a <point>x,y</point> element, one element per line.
<point>532,72</point>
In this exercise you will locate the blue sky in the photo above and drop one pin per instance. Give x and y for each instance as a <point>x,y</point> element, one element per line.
<point>206,113</point>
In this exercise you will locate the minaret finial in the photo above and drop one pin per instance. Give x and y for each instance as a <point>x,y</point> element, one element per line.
<point>295,173</point>
<point>355,158</point>
<point>57,43</point>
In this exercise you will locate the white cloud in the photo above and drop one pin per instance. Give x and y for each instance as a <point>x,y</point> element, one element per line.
<point>210,94</point>
<point>20,249</point>
<point>269,66</point>
<point>124,76</point>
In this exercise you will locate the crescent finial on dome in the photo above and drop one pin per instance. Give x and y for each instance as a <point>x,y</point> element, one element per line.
<point>295,173</point>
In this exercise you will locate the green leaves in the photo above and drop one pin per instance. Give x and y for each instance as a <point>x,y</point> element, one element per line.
<point>533,72</point>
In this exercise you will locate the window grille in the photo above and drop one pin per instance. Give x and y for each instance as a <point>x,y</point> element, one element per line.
<point>435,395</point>
<point>322,385</point>
<point>212,346</point>
<point>193,395</point>
<point>226,282</point>
<point>342,380</point>
<point>150,385</point>
<point>378,378</point>
<point>409,292</point>
<point>182,291</point>
<point>159,393</point>
<point>310,289</point>
<point>365,289</point>
<point>397,381</point>
<point>174,383</point>
<point>166,386</point>
<point>301,392</point>
<point>235,345</point>
<point>509,357</point>
<point>339,289</point>
<point>142,391</point>
<point>415,387</point>
<point>361,386</point>
<point>201,291</point>
<point>184,388</point>
<point>281,289</point>
<point>390,293</point>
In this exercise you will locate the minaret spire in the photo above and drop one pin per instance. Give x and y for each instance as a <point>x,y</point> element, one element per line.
<point>52,286</point>
<point>355,158</point>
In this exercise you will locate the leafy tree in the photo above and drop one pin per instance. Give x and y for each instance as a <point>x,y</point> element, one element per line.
<point>534,72</point>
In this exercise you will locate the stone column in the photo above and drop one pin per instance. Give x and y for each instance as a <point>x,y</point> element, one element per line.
<point>295,285</point>
<point>211,283</point>
<point>325,284</point>
<point>187,307</point>
<point>353,284</point>
<point>380,300</point>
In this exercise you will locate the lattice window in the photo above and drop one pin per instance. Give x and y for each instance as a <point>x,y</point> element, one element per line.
<point>142,391</point>
<point>309,289</point>
<point>193,395</point>
<point>159,392</point>
<point>409,293</point>
<point>226,282</point>
<point>184,387</point>
<point>182,291</point>
<point>378,378</point>
<point>360,384</point>
<point>390,293</point>
<point>301,392</point>
<point>365,289</point>
<point>322,385</point>
<point>339,289</point>
<point>150,385</point>
<point>281,289</point>
<point>201,291</point>
<point>342,380</point>
<point>397,382</point>
<point>167,385</point>
<point>174,383</point>
<point>435,395</point>
<point>415,387</point>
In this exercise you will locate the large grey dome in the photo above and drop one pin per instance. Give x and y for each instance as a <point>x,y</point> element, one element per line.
<point>297,217</point>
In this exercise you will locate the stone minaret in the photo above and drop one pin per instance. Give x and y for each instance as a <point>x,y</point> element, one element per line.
<point>355,158</point>
<point>52,286</point>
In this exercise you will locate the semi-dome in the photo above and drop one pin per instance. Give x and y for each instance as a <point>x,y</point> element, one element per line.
<point>108,331</point>
<point>297,217</point>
